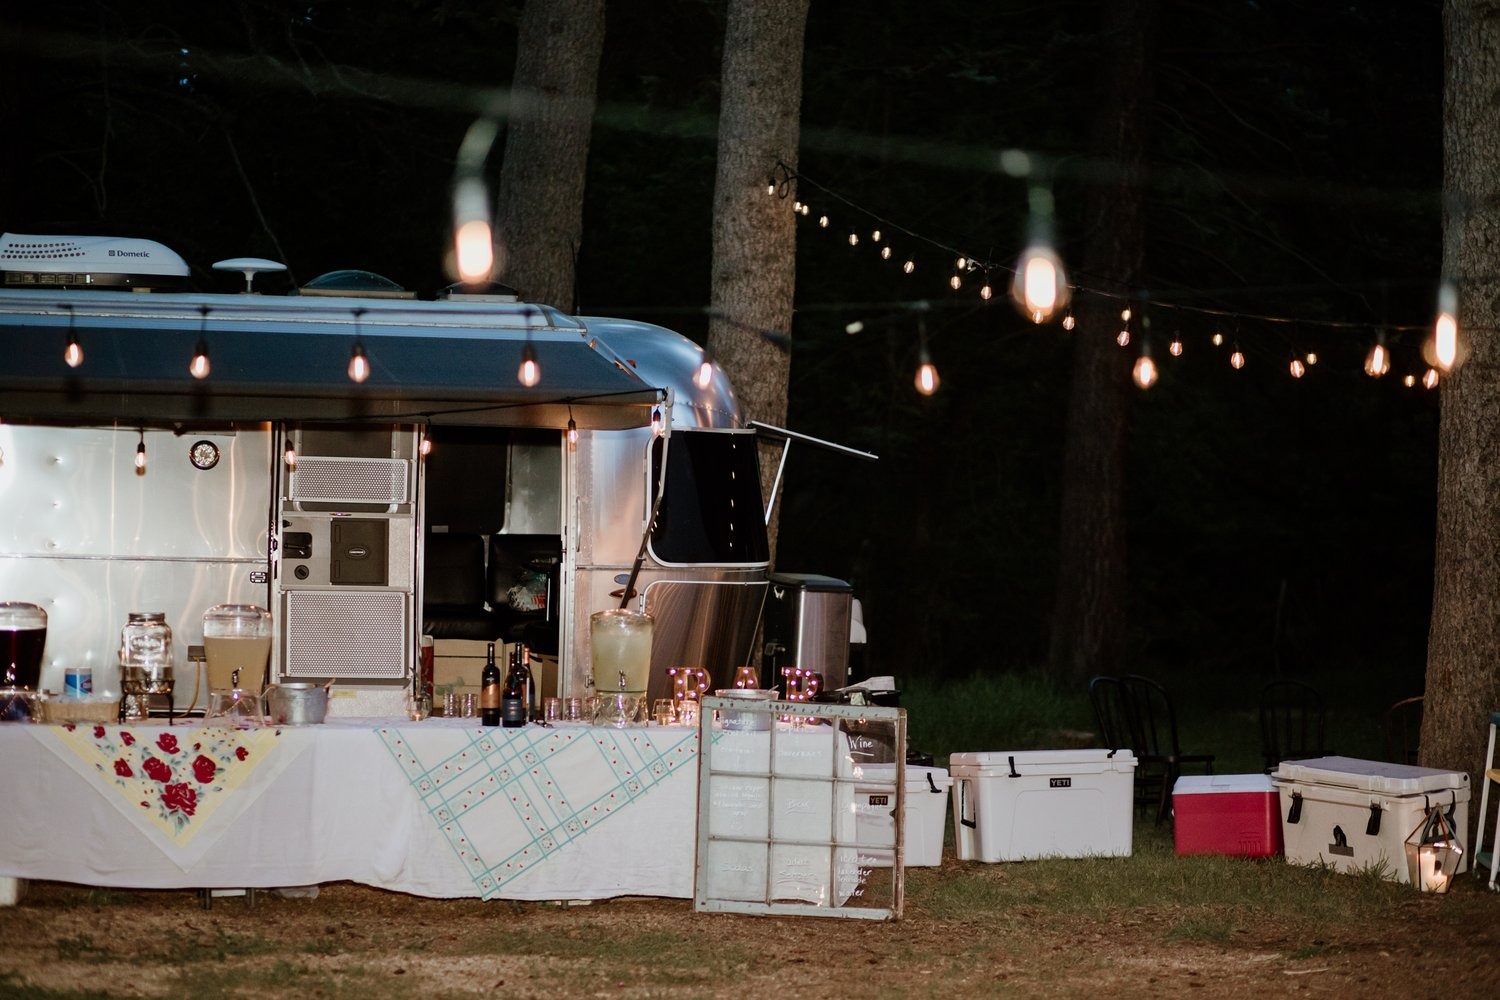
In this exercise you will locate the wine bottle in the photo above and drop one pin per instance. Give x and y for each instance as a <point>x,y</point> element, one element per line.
<point>490,694</point>
<point>528,683</point>
<point>513,696</point>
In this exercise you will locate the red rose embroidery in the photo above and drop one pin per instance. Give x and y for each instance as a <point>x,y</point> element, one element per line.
<point>240,753</point>
<point>180,798</point>
<point>98,732</point>
<point>123,769</point>
<point>203,769</point>
<point>126,738</point>
<point>167,742</point>
<point>156,770</point>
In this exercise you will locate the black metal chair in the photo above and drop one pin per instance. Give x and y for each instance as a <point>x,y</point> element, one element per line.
<point>1293,722</point>
<point>1136,712</point>
<point>1403,730</point>
<point>1154,724</point>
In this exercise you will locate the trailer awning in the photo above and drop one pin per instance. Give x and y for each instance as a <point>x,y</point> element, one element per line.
<point>287,359</point>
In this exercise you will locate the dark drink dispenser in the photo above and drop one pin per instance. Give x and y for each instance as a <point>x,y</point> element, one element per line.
<point>806,625</point>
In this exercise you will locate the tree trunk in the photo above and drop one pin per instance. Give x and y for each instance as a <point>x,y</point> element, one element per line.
<point>1088,617</point>
<point>554,91</point>
<point>1463,646</point>
<point>754,234</point>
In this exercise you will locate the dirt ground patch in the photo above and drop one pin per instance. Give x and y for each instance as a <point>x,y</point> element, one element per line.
<point>353,941</point>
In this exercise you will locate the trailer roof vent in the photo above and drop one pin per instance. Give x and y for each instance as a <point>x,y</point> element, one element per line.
<point>87,262</point>
<point>357,284</point>
<point>493,291</point>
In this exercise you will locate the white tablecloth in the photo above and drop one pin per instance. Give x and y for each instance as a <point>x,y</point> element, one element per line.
<point>438,808</point>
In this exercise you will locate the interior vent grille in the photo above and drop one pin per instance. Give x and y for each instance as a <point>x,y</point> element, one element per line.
<point>350,480</point>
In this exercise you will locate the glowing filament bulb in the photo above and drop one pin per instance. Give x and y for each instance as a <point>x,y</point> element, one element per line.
<point>140,456</point>
<point>1237,359</point>
<point>955,282</point>
<point>875,236</point>
<point>1125,315</point>
<point>425,448</point>
<point>927,376</point>
<point>1445,340</point>
<point>1039,288</point>
<point>806,209</point>
<point>797,207</point>
<point>1430,379</point>
<point>1123,338</point>
<point>1218,339</point>
<point>73,354</point>
<point>1175,347</point>
<point>530,373</point>
<point>289,456</point>
<point>359,365</point>
<point>986,292</point>
<point>572,433</point>
<point>771,186</point>
<point>1297,368</point>
<point>705,374</point>
<point>1144,371</point>
<point>1378,361</point>
<point>1312,358</point>
<point>853,239</point>
<point>1069,322</point>
<point>199,366</point>
<point>885,253</point>
<point>474,246</point>
<point>823,221</point>
<point>1409,381</point>
<point>909,266</point>
<point>961,263</point>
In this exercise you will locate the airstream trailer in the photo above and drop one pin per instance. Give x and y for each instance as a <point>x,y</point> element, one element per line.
<point>370,467</point>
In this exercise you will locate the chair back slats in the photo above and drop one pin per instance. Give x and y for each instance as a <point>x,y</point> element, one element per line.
<point>1293,722</point>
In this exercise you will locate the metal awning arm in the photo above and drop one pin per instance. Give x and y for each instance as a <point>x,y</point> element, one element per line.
<point>774,433</point>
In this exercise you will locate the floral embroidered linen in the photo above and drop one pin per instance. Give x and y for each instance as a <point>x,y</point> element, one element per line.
<point>172,783</point>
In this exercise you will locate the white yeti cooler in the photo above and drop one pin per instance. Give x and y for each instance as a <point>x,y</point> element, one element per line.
<point>1017,805</point>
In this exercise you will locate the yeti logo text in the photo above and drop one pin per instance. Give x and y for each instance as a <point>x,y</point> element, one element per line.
<point>1059,782</point>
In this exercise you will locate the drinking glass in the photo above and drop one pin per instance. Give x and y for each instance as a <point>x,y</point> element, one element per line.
<point>23,636</point>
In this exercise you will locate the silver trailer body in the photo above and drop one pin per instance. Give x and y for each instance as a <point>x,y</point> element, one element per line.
<point>90,538</point>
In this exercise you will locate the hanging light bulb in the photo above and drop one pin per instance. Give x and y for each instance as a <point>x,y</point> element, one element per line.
<point>1430,379</point>
<point>199,366</point>
<point>572,434</point>
<point>1217,339</point>
<point>705,374</point>
<point>823,221</point>
<point>1144,371</point>
<point>73,354</point>
<point>1123,337</point>
<point>359,365</point>
<point>1125,315</point>
<point>806,208</point>
<point>771,186</point>
<point>927,380</point>
<point>955,282</point>
<point>1297,368</point>
<point>473,237</point>
<point>656,421</point>
<point>961,264</point>
<point>1378,361</point>
<point>986,292</point>
<point>875,236</point>
<point>1237,359</point>
<point>140,456</point>
<point>289,457</point>
<point>909,266</point>
<point>1040,287</point>
<point>853,238</point>
<point>425,448</point>
<point>797,207</point>
<point>530,373</point>
<point>1445,332</point>
<point>1312,358</point>
<point>1175,347</point>
<point>1068,321</point>
<point>1409,380</point>
<point>885,253</point>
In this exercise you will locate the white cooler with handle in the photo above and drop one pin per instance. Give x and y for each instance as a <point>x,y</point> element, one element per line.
<point>1018,805</point>
<point>1355,815</point>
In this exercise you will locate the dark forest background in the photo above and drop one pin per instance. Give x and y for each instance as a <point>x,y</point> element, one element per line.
<point>1275,525</point>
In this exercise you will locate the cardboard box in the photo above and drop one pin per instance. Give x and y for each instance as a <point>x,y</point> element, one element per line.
<point>1355,815</point>
<point>925,814</point>
<point>1013,806</point>
<point>457,664</point>
<point>1233,814</point>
